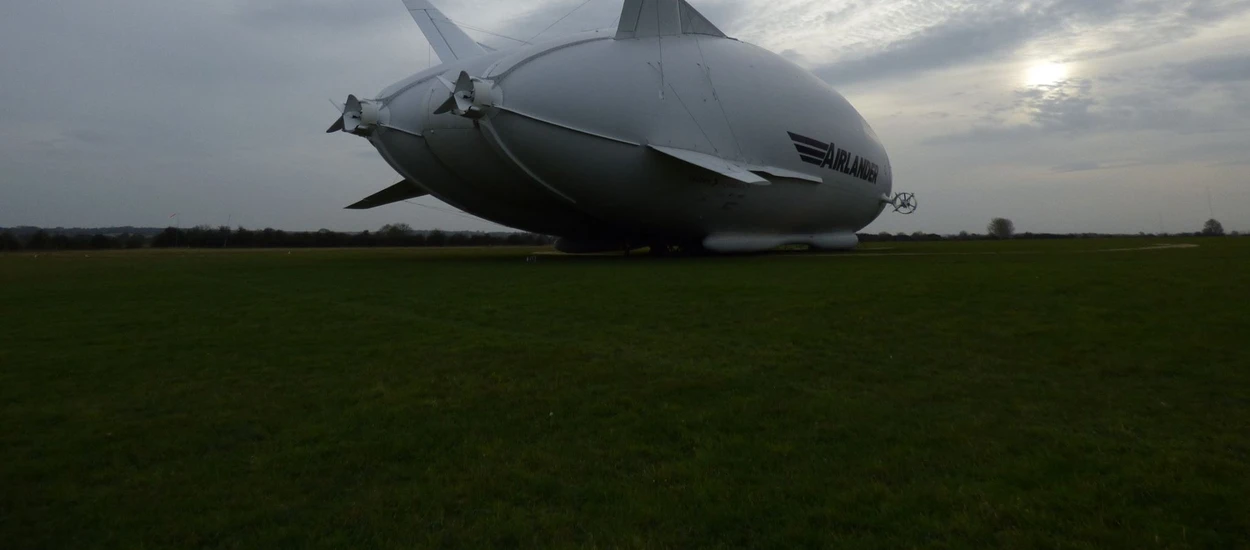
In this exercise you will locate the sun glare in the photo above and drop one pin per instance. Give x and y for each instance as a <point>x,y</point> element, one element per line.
<point>1046,74</point>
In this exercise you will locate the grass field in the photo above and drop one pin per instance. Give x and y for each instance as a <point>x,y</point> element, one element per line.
<point>1017,394</point>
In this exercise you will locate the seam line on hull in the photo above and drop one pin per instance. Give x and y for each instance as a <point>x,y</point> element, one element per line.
<point>386,101</point>
<point>508,152</point>
<point>565,126</point>
<point>707,75</point>
<point>499,77</point>
<point>401,130</point>
<point>695,120</point>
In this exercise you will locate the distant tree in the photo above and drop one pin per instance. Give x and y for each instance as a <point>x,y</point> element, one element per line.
<point>325,238</point>
<point>132,241</point>
<point>395,229</point>
<point>243,238</point>
<point>60,241</point>
<point>1234,234</point>
<point>203,236</point>
<point>395,234</point>
<point>1212,228</point>
<point>1001,228</point>
<point>169,237</point>
<point>963,236</point>
<point>9,242</point>
<point>101,242</point>
<point>39,240</point>
<point>436,238</point>
<point>267,238</point>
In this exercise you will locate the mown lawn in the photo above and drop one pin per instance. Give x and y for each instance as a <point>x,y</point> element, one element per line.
<point>1017,394</point>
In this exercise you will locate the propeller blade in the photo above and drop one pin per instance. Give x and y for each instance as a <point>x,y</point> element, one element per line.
<point>358,116</point>
<point>447,106</point>
<point>464,83</point>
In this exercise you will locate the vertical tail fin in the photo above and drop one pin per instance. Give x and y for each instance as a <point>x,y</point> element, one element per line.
<point>448,40</point>
<point>644,18</point>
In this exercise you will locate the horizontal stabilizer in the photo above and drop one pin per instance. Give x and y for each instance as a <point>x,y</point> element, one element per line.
<point>743,172</point>
<point>403,190</point>
<point>783,173</point>
<point>714,164</point>
<point>449,41</point>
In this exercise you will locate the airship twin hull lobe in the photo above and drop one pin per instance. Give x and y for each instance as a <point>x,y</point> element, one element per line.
<point>686,138</point>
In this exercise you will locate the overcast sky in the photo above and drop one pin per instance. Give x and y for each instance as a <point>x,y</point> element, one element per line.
<point>1063,115</point>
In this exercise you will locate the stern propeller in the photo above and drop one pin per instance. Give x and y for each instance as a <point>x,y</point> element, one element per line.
<point>359,117</point>
<point>470,97</point>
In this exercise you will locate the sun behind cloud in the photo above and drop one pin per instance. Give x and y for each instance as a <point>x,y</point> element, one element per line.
<point>1045,74</point>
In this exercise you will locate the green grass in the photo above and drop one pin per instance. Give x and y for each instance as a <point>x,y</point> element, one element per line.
<point>1019,394</point>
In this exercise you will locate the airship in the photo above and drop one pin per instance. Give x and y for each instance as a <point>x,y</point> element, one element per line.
<point>663,133</point>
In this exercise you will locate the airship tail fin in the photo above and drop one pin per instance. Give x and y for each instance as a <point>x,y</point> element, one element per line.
<point>646,18</point>
<point>449,41</point>
<point>401,191</point>
<point>737,170</point>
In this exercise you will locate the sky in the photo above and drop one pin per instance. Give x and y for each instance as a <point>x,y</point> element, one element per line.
<point>1063,115</point>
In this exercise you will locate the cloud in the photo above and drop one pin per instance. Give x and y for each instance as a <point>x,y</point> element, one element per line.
<point>987,35</point>
<point>1079,166</point>
<point>329,15</point>
<point>1225,68</point>
<point>1204,95</point>
<point>995,30</point>
<point>218,109</point>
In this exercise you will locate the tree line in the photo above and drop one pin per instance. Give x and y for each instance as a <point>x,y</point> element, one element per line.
<point>1003,228</point>
<point>400,235</point>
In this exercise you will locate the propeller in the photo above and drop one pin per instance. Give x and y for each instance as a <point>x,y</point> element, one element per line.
<point>359,117</point>
<point>470,97</point>
<point>903,203</point>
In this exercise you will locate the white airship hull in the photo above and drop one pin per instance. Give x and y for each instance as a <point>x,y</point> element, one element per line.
<point>688,139</point>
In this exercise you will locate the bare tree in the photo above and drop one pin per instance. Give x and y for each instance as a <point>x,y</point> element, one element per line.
<point>1213,228</point>
<point>1001,228</point>
<point>395,229</point>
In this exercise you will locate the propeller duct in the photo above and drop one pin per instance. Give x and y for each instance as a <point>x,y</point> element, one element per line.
<point>360,117</point>
<point>470,97</point>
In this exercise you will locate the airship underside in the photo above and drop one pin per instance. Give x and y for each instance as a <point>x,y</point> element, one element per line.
<point>663,132</point>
